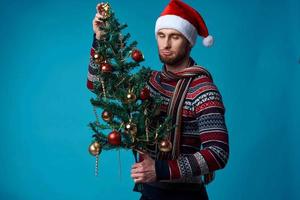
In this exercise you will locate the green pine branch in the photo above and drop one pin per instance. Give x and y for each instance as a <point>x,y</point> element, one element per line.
<point>116,49</point>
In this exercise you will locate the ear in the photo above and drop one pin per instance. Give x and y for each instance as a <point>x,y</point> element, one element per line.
<point>189,46</point>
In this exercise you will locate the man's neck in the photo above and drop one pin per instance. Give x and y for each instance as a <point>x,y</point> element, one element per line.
<point>184,63</point>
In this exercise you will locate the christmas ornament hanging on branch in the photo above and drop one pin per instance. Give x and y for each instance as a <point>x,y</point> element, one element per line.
<point>137,56</point>
<point>129,112</point>
<point>104,10</point>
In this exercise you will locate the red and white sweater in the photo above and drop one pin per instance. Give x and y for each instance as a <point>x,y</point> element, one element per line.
<point>204,139</point>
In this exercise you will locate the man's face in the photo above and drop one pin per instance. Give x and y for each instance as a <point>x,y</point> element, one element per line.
<point>172,46</point>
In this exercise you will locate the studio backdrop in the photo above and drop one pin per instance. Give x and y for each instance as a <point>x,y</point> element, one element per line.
<point>45,104</point>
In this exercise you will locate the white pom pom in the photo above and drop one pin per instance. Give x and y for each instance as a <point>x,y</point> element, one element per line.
<point>208,41</point>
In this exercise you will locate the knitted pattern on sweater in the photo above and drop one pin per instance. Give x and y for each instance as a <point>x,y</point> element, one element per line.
<point>204,139</point>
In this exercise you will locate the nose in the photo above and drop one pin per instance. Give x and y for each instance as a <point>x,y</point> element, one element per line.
<point>167,43</point>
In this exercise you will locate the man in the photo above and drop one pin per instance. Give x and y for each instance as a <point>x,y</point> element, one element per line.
<point>200,139</point>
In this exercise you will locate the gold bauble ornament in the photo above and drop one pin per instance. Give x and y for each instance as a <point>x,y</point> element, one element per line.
<point>104,10</point>
<point>98,58</point>
<point>131,97</point>
<point>95,148</point>
<point>131,128</point>
<point>107,116</point>
<point>97,145</point>
<point>165,145</point>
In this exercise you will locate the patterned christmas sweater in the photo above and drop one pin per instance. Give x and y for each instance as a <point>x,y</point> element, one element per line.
<point>204,139</point>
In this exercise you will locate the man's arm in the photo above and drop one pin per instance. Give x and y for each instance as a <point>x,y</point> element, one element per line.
<point>209,111</point>
<point>92,68</point>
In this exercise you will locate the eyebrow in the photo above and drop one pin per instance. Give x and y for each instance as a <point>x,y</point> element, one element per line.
<point>171,34</point>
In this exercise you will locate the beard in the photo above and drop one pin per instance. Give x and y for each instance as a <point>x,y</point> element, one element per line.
<point>176,59</point>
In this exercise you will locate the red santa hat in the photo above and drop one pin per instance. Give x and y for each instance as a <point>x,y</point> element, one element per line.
<point>185,19</point>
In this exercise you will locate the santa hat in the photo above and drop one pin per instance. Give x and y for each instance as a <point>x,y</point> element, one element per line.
<point>185,19</point>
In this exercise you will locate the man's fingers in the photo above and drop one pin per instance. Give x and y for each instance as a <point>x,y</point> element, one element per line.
<point>139,171</point>
<point>140,151</point>
<point>135,165</point>
<point>138,180</point>
<point>141,177</point>
<point>146,156</point>
<point>136,170</point>
<point>137,175</point>
<point>96,20</point>
<point>98,16</point>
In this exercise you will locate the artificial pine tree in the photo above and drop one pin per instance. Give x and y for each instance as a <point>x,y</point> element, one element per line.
<point>128,110</point>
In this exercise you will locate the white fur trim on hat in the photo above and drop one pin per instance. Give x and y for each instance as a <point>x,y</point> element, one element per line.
<point>179,24</point>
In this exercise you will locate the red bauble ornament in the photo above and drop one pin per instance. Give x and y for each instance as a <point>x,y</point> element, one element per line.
<point>137,56</point>
<point>114,138</point>
<point>106,67</point>
<point>145,93</point>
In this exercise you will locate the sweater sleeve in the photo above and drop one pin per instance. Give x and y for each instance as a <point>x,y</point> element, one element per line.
<point>213,155</point>
<point>92,68</point>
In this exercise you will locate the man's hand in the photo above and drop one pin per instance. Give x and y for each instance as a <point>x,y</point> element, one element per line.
<point>97,22</point>
<point>144,172</point>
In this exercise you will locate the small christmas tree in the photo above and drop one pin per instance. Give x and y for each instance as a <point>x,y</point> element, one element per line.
<point>128,110</point>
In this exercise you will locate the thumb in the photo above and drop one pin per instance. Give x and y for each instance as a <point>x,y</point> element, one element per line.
<point>140,151</point>
<point>146,156</point>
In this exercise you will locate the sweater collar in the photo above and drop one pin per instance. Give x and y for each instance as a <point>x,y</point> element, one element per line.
<point>175,76</point>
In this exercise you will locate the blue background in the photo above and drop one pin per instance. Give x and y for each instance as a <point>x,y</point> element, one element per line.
<point>45,104</point>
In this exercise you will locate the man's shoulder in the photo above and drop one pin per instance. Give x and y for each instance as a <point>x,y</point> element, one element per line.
<point>155,72</point>
<point>154,78</point>
<point>203,74</point>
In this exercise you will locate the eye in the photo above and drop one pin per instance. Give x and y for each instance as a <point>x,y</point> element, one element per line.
<point>160,35</point>
<point>175,37</point>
